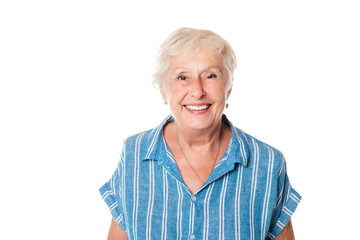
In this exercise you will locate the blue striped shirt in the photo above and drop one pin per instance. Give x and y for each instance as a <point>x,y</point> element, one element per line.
<point>247,196</point>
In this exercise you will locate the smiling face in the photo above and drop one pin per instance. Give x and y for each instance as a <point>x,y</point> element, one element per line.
<point>197,89</point>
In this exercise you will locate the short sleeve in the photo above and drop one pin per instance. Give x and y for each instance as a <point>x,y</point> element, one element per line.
<point>111,193</point>
<point>286,204</point>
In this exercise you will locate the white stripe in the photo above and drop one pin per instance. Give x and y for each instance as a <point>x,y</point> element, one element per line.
<point>271,235</point>
<point>287,211</point>
<point>288,190</point>
<point>117,189</point>
<point>206,210</point>
<point>282,166</point>
<point>118,219</point>
<point>267,192</point>
<point>278,200</point>
<point>123,184</point>
<point>296,200</point>
<point>280,224</point>
<point>220,211</point>
<point>112,182</point>
<point>165,205</point>
<point>294,197</point>
<point>279,197</point>
<point>178,182</point>
<point>153,195</point>
<point>136,183</point>
<point>205,214</point>
<point>170,156</point>
<point>253,190</point>
<point>152,144</point>
<point>151,199</point>
<point>242,145</point>
<point>220,161</point>
<point>156,135</point>
<point>168,153</point>
<point>237,202</point>
<point>179,212</point>
<point>222,208</point>
<point>225,155</point>
<point>106,194</point>
<point>114,205</point>
<point>191,217</point>
<point>244,136</point>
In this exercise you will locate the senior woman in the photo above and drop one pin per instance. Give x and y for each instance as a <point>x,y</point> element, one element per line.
<point>196,176</point>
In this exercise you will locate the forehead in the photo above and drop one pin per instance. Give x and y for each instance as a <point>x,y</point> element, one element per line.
<point>203,57</point>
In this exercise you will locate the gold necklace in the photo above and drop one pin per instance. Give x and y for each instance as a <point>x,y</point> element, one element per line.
<point>202,181</point>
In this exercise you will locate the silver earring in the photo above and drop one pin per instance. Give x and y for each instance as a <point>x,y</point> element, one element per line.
<point>165,102</point>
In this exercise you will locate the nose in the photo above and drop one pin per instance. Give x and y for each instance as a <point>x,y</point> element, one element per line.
<point>197,89</point>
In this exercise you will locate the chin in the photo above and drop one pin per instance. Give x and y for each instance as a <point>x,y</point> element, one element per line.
<point>197,121</point>
<point>200,124</point>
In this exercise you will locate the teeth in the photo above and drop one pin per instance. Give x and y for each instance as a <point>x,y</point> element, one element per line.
<point>198,108</point>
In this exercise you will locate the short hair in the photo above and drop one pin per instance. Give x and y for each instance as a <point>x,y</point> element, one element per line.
<point>187,40</point>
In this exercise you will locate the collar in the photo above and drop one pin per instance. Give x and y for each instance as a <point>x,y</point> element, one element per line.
<point>155,148</point>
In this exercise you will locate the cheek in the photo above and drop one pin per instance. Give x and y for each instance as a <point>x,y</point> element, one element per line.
<point>218,93</point>
<point>167,91</point>
<point>176,93</point>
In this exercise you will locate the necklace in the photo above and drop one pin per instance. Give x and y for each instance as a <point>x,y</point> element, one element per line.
<point>202,181</point>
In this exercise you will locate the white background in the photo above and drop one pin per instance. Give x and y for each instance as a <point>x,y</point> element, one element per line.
<point>76,80</point>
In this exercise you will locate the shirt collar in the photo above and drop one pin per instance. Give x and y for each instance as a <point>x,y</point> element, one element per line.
<point>238,150</point>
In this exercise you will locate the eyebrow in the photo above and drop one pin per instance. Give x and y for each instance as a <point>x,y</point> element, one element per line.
<point>181,69</point>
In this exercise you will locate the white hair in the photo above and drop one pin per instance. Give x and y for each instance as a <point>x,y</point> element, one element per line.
<point>188,40</point>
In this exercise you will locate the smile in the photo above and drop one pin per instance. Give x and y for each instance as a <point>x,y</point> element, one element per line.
<point>198,108</point>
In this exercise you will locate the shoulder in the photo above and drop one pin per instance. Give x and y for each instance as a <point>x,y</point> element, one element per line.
<point>142,143</point>
<point>262,151</point>
<point>145,145</point>
<point>147,138</point>
<point>140,139</point>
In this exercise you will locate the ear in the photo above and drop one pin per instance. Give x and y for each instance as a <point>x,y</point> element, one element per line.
<point>163,94</point>
<point>228,93</point>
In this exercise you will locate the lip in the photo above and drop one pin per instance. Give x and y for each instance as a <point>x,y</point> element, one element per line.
<point>196,112</point>
<point>197,104</point>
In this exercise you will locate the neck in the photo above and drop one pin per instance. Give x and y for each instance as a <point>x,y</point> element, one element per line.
<point>198,139</point>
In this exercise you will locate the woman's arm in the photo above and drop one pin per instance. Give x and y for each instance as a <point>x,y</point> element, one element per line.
<point>115,232</point>
<point>287,233</point>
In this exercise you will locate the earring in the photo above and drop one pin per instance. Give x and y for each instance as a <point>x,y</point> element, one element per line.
<point>227,105</point>
<point>165,102</point>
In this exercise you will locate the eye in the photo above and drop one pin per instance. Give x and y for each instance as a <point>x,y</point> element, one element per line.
<point>213,75</point>
<point>181,77</point>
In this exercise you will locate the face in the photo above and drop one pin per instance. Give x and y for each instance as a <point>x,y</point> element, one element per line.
<point>197,89</point>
